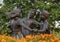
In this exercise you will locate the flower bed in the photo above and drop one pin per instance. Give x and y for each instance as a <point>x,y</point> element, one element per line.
<point>29,38</point>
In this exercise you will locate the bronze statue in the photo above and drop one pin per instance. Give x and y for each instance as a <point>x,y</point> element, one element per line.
<point>30,22</point>
<point>44,27</point>
<point>16,24</point>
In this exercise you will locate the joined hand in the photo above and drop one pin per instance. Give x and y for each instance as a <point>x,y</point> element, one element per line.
<point>34,30</point>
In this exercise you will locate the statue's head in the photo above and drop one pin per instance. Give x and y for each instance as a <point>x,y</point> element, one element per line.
<point>32,13</point>
<point>14,13</point>
<point>44,14</point>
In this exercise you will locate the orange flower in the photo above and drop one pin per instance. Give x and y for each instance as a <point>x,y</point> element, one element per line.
<point>3,40</point>
<point>58,40</point>
<point>43,41</point>
<point>24,40</point>
<point>31,40</point>
<point>28,37</point>
<point>3,37</point>
<point>46,35</point>
<point>40,41</point>
<point>52,40</point>
<point>42,36</point>
<point>35,37</point>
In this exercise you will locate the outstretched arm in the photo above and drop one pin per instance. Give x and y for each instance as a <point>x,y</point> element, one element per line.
<point>25,26</point>
<point>35,22</point>
<point>44,27</point>
<point>42,30</point>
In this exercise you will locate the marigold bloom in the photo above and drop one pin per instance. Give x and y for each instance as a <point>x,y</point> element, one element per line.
<point>3,40</point>
<point>58,40</point>
<point>35,37</point>
<point>39,38</point>
<point>28,37</point>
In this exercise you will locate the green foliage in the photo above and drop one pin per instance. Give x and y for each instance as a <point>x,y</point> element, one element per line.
<point>25,6</point>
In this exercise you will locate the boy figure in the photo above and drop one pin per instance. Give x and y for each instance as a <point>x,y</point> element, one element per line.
<point>30,22</point>
<point>16,24</point>
<point>44,27</point>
